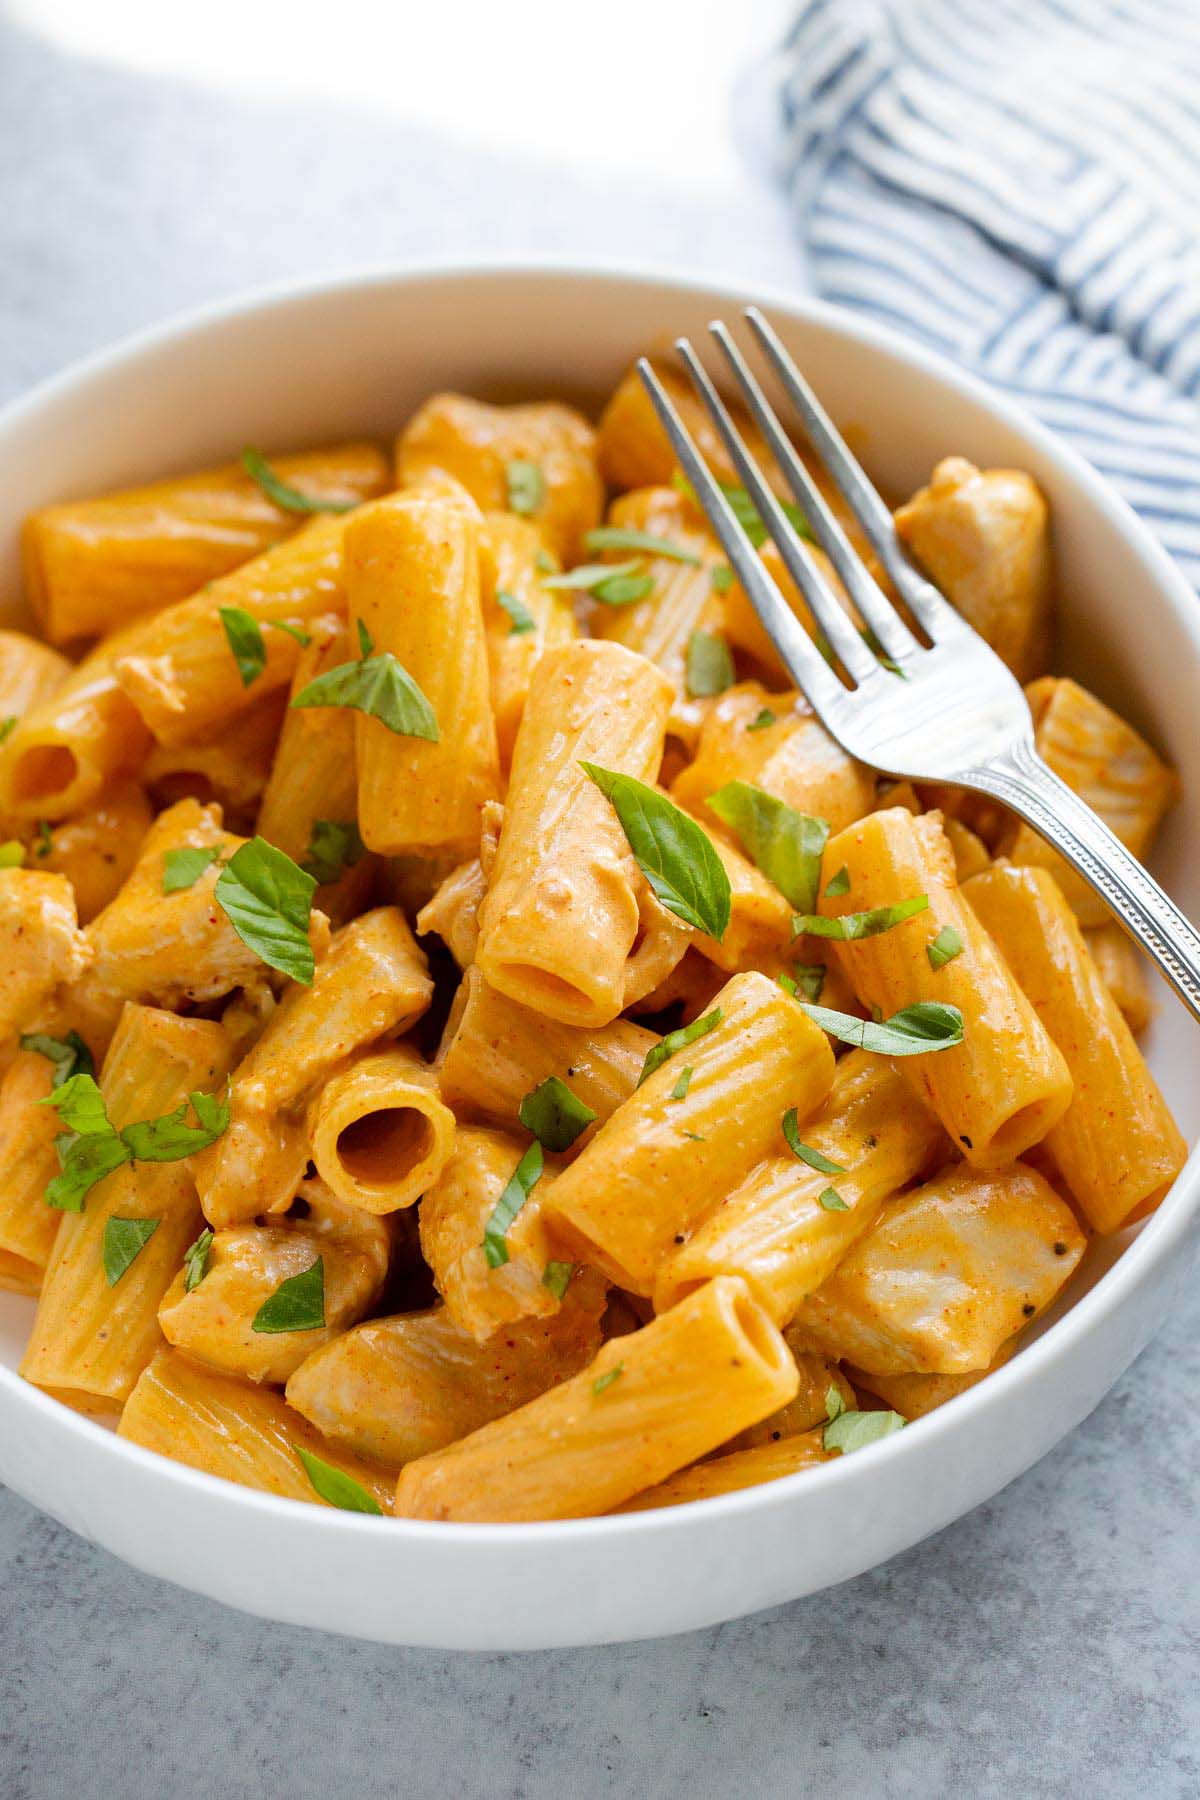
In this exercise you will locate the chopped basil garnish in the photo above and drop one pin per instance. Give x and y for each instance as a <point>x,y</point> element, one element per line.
<point>516,1193</point>
<point>723,578</point>
<point>831,1200</point>
<point>697,1137</point>
<point>839,885</point>
<point>91,1147</point>
<point>709,665</point>
<point>195,1261</point>
<point>556,1276</point>
<point>334,845</point>
<point>623,590</point>
<point>745,511</point>
<point>613,537</point>
<point>877,650</point>
<point>786,845</point>
<point>855,1430</point>
<point>244,635</point>
<point>852,926</point>
<point>278,491</point>
<point>810,979</point>
<point>762,718</point>
<point>183,868</point>
<point>675,854</point>
<point>45,841</point>
<point>69,1055</point>
<point>379,685</point>
<point>679,1091</point>
<point>944,947</point>
<point>298,1304</point>
<point>336,1487</point>
<point>12,854</point>
<point>814,1158</point>
<point>554,1114</point>
<point>588,577</point>
<point>606,1380</point>
<point>834,1404</point>
<point>679,1040</point>
<point>124,1241</point>
<point>526,485</point>
<point>7,726</point>
<point>544,563</point>
<point>268,901</point>
<point>919,1029</point>
<point>522,619</point>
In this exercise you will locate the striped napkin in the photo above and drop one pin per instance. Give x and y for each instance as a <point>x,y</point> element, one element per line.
<point>1017,183</point>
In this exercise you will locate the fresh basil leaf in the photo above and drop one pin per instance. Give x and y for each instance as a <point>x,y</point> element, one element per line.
<point>810,979</point>
<point>244,636</point>
<point>831,1200</point>
<point>85,1160</point>
<point>786,845</point>
<point>709,665</point>
<point>522,619</point>
<point>45,840</point>
<point>835,1406</point>
<point>915,1031</point>
<point>855,1430</point>
<point>675,854</point>
<point>588,576</point>
<point>281,494</point>
<point>679,1091</point>
<point>516,1193</point>
<point>183,868</point>
<point>124,1241</point>
<point>336,1487</point>
<point>80,1105</point>
<point>268,901</point>
<point>606,1380</point>
<point>195,1261</point>
<point>334,845</point>
<point>557,1277</point>
<point>623,590</point>
<point>723,578</point>
<point>944,947</point>
<point>554,1114</point>
<point>366,642</point>
<point>840,884</point>
<point>745,511</point>
<point>69,1055</point>
<point>170,1138</point>
<point>7,726</point>
<point>298,1304</point>
<point>525,484</point>
<point>12,854</point>
<point>697,1137</point>
<point>852,926</point>
<point>762,718</point>
<point>877,650</point>
<point>378,685</point>
<point>814,1158</point>
<point>615,537</point>
<point>302,637</point>
<point>678,1040</point>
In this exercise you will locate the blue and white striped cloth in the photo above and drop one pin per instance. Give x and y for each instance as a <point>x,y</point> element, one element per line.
<point>1017,183</point>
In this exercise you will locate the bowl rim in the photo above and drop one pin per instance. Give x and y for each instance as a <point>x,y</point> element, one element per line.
<point>1158,1237</point>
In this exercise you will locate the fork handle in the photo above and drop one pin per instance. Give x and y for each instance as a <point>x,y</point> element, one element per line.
<point>1023,782</point>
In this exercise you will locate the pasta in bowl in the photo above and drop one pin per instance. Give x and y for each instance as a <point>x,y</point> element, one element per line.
<point>477,1050</point>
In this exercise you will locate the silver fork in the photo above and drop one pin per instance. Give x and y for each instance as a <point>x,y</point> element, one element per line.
<point>958,715</point>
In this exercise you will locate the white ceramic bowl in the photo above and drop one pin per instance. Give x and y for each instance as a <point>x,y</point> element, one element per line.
<point>357,355</point>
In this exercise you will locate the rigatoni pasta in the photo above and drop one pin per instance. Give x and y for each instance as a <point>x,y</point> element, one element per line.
<point>541,1074</point>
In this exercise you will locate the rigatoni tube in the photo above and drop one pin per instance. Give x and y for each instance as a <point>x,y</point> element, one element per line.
<point>412,579</point>
<point>244,1434</point>
<point>379,1131</point>
<point>666,1157</point>
<point>1117,1147</point>
<point>786,1226</point>
<point>730,1474</point>
<point>1000,1090</point>
<point>562,910</point>
<point>651,1402</point>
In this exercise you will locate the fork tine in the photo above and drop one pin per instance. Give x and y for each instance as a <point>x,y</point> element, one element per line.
<point>808,669</point>
<point>892,633</point>
<point>843,638</point>
<point>932,610</point>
